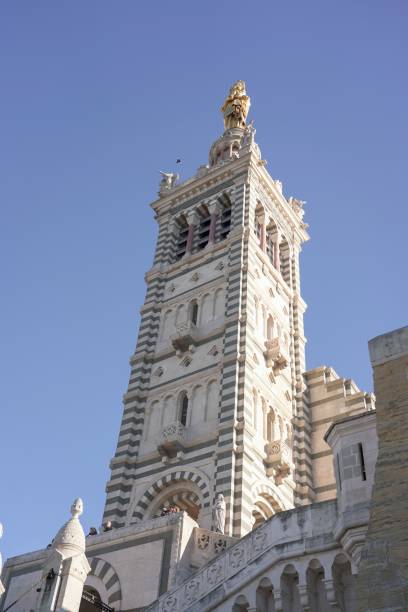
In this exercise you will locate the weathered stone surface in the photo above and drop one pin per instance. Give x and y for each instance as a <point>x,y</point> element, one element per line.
<point>383,579</point>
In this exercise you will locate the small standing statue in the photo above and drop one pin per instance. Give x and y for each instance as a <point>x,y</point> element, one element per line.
<point>219,513</point>
<point>168,181</point>
<point>236,106</point>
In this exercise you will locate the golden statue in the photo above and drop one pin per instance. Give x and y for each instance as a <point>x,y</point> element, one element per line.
<point>236,106</point>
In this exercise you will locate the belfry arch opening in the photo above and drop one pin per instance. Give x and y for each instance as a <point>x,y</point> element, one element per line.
<point>179,497</point>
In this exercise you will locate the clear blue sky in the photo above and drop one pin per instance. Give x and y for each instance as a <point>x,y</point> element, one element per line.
<point>96,97</point>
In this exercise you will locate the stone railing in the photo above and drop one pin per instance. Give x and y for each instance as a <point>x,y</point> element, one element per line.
<point>288,537</point>
<point>185,336</point>
<point>278,458</point>
<point>275,355</point>
<point>171,439</point>
<point>207,545</point>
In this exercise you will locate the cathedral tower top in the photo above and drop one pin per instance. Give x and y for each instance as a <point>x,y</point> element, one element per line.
<point>237,133</point>
<point>236,106</point>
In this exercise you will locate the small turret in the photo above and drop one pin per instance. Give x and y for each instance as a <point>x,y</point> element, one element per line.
<point>66,567</point>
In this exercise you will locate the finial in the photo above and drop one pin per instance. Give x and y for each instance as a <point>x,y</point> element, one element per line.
<point>70,539</point>
<point>236,106</point>
<point>77,507</point>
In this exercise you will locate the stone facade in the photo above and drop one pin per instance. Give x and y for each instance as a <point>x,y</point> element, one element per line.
<point>221,338</point>
<point>383,578</point>
<point>219,402</point>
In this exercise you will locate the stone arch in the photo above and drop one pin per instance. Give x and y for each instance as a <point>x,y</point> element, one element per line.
<point>106,573</point>
<point>343,582</point>
<point>197,405</point>
<point>212,400</point>
<point>183,407</point>
<point>206,308</point>
<point>166,324</point>
<point>290,590</point>
<point>167,480</point>
<point>316,588</point>
<point>270,323</point>
<point>183,499</point>
<point>219,303</point>
<point>265,600</point>
<point>167,411</point>
<point>180,314</point>
<point>267,502</point>
<point>193,311</point>
<point>151,426</point>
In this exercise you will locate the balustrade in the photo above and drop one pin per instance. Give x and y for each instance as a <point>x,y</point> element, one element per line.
<point>185,336</point>
<point>172,439</point>
<point>275,355</point>
<point>278,458</point>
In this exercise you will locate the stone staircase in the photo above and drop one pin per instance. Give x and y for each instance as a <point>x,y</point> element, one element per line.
<point>285,545</point>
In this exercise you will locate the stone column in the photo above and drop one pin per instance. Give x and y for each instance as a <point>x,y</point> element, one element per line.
<point>276,254</point>
<point>192,220</point>
<point>214,210</point>
<point>66,567</point>
<point>330,592</point>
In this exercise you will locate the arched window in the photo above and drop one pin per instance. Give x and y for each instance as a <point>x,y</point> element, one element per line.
<point>183,408</point>
<point>193,308</point>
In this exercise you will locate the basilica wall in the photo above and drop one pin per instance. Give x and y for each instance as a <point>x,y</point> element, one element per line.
<point>330,398</point>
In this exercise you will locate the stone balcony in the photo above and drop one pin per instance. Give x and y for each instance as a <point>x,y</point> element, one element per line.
<point>172,439</point>
<point>276,356</point>
<point>185,336</point>
<point>278,459</point>
<point>207,545</point>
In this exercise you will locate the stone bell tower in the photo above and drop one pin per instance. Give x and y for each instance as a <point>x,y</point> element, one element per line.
<point>215,390</point>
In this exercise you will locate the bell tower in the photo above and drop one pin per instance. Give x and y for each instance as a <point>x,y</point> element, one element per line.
<point>215,397</point>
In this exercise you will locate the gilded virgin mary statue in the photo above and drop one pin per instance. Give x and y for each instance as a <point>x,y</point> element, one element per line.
<point>236,106</point>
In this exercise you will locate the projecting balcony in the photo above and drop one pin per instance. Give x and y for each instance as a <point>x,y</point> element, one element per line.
<point>278,459</point>
<point>185,336</point>
<point>171,439</point>
<point>275,355</point>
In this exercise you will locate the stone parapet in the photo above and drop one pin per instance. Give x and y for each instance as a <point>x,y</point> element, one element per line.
<point>288,544</point>
<point>392,345</point>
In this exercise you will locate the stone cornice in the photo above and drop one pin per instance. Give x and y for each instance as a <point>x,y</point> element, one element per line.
<point>199,185</point>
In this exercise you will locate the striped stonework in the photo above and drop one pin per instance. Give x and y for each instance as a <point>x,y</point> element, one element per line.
<point>238,364</point>
<point>170,481</point>
<point>104,571</point>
